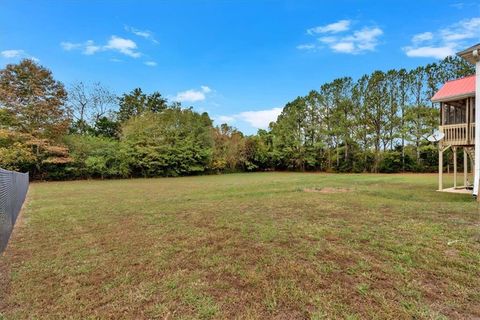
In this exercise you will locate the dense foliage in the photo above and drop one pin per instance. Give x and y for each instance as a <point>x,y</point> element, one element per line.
<point>170,143</point>
<point>377,123</point>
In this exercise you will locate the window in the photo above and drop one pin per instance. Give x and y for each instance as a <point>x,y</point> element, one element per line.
<point>455,114</point>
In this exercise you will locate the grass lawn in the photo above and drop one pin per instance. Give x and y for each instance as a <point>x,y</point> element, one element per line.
<point>249,246</point>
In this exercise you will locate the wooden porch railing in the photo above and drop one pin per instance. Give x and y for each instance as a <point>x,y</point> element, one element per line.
<point>458,134</point>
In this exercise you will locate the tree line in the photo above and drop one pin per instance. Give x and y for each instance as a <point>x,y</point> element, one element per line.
<point>377,123</point>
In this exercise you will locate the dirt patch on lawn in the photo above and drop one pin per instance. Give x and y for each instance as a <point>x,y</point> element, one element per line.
<point>327,190</point>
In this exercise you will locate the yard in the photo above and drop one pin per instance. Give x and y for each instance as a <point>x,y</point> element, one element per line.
<point>262,245</point>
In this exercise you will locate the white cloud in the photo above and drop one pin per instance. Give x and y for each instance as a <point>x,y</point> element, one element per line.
<point>150,63</point>
<point>17,53</point>
<point>345,47</point>
<point>206,89</point>
<point>307,46</point>
<point>193,95</point>
<point>146,34</point>
<point>67,46</point>
<point>339,26</point>
<point>446,41</point>
<point>360,41</point>
<point>433,52</point>
<point>90,48</point>
<point>225,119</point>
<point>190,96</point>
<point>463,30</point>
<point>259,119</point>
<point>422,37</point>
<point>328,40</point>
<point>125,46</point>
<point>336,37</point>
<point>13,53</point>
<point>367,38</point>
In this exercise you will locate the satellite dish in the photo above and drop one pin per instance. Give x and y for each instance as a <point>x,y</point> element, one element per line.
<point>436,136</point>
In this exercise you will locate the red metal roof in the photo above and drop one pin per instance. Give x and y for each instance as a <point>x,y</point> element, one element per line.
<point>456,89</point>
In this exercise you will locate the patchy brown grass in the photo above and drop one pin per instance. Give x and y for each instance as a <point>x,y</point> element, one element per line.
<point>327,190</point>
<point>247,246</point>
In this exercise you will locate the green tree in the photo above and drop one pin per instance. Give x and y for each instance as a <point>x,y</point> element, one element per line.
<point>453,67</point>
<point>171,143</point>
<point>361,127</point>
<point>228,149</point>
<point>376,99</point>
<point>393,121</point>
<point>98,157</point>
<point>15,153</point>
<point>289,137</point>
<point>420,121</point>
<point>136,102</point>
<point>341,118</point>
<point>34,100</point>
<point>106,126</point>
<point>403,89</point>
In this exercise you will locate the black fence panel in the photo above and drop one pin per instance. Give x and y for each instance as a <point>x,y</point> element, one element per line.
<point>13,189</point>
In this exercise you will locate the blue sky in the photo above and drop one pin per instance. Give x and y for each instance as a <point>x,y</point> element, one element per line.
<point>240,61</point>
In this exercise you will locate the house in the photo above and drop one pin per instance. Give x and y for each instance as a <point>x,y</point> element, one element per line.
<point>458,110</point>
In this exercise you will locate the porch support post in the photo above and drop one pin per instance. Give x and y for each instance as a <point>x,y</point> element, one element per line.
<point>465,167</point>
<point>454,149</point>
<point>440,168</point>
<point>476,173</point>
<point>467,114</point>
